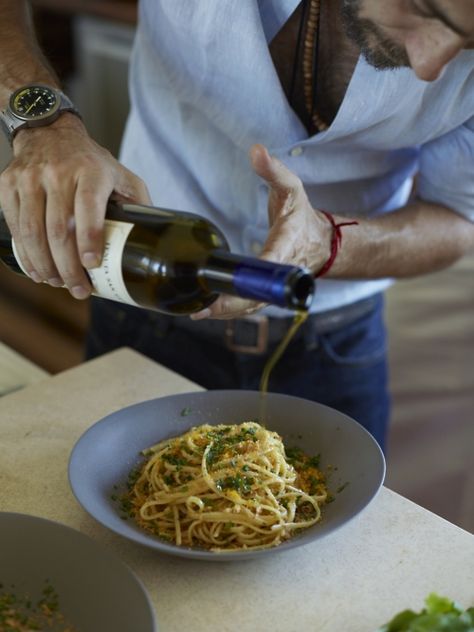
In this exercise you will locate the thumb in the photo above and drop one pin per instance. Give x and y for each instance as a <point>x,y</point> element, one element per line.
<point>274,172</point>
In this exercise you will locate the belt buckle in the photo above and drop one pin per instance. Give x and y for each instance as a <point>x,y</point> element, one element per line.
<point>260,346</point>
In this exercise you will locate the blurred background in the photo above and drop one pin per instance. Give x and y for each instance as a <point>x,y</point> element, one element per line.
<point>430,319</point>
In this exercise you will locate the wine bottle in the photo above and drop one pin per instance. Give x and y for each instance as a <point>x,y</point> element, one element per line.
<point>178,263</point>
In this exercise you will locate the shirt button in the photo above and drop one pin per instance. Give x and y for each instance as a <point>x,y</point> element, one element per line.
<point>296,151</point>
<point>256,247</point>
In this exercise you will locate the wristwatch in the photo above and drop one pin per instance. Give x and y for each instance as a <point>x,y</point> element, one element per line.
<point>33,106</point>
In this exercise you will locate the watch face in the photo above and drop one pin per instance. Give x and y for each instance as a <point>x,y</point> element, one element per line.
<point>34,102</point>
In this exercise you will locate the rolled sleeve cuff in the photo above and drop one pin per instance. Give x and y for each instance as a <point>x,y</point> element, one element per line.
<point>446,174</point>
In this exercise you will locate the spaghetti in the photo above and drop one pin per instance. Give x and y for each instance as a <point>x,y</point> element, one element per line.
<point>226,487</point>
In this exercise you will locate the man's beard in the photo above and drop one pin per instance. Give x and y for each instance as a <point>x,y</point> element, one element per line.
<point>379,51</point>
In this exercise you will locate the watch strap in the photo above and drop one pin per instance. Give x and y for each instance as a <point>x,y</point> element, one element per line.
<point>66,105</point>
<point>7,122</point>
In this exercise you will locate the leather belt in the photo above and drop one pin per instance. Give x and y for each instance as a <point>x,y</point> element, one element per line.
<point>254,334</point>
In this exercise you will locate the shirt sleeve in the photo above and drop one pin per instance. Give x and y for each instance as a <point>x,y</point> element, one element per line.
<point>446,173</point>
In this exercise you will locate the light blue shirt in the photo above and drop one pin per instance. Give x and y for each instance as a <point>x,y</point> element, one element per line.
<point>204,89</point>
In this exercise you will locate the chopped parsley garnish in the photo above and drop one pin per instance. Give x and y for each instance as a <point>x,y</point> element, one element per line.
<point>242,484</point>
<point>175,460</point>
<point>22,613</point>
<point>221,443</point>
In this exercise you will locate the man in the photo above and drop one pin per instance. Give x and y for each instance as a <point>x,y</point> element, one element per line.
<point>351,98</point>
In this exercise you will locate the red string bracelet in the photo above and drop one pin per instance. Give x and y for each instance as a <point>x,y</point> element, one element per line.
<point>336,240</point>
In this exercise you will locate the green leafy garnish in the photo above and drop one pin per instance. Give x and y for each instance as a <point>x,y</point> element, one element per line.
<point>439,615</point>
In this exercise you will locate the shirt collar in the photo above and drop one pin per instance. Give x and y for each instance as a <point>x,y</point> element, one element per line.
<point>274,14</point>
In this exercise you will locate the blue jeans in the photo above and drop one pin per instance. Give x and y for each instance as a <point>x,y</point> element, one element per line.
<point>345,369</point>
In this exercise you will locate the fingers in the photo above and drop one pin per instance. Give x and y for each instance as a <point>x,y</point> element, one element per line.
<point>131,188</point>
<point>76,234</point>
<point>92,195</point>
<point>23,202</point>
<point>227,307</point>
<point>90,205</point>
<point>33,242</point>
<point>54,202</point>
<point>62,242</point>
<point>10,204</point>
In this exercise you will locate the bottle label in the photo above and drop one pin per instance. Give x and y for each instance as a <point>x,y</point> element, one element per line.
<point>107,279</point>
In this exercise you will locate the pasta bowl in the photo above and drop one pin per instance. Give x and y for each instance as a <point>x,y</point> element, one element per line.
<point>60,579</point>
<point>102,459</point>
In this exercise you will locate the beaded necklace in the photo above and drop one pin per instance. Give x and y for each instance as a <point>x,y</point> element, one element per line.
<point>310,63</point>
<point>310,21</point>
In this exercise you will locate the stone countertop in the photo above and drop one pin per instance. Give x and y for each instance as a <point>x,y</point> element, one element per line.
<point>17,371</point>
<point>388,558</point>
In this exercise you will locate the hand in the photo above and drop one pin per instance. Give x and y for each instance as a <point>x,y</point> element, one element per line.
<point>54,194</point>
<point>299,235</point>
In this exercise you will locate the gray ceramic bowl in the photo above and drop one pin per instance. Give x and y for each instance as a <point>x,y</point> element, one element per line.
<point>105,454</point>
<point>96,591</point>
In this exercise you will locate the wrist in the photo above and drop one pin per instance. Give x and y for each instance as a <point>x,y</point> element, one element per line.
<point>67,121</point>
<point>322,241</point>
<point>335,242</point>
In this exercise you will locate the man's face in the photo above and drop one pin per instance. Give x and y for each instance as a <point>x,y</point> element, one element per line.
<point>422,34</point>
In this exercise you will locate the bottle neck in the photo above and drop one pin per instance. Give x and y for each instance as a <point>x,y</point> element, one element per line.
<point>279,284</point>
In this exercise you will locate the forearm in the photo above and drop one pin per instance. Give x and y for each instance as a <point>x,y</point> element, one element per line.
<point>413,240</point>
<point>417,239</point>
<point>21,60</point>
<point>54,191</point>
